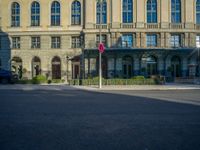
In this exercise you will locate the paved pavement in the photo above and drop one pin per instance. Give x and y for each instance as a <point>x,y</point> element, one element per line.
<point>67,118</point>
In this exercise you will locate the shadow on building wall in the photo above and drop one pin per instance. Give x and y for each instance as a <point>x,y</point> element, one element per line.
<point>5,51</point>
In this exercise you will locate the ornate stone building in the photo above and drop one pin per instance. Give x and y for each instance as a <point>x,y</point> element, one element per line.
<point>59,38</point>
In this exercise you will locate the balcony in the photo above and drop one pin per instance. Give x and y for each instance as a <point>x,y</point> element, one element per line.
<point>152,25</point>
<point>176,26</point>
<point>127,25</point>
<point>197,26</point>
<point>103,26</point>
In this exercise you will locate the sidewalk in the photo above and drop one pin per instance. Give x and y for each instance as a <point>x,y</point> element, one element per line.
<point>143,87</point>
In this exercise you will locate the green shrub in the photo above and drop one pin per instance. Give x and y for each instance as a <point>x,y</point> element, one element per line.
<point>138,78</point>
<point>24,81</point>
<point>57,81</point>
<point>39,79</point>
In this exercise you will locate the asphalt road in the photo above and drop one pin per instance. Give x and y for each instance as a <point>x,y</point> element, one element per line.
<point>87,120</point>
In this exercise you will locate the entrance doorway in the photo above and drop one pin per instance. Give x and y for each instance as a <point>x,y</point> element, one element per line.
<point>16,66</point>
<point>127,66</point>
<point>36,66</point>
<point>56,68</point>
<point>176,66</point>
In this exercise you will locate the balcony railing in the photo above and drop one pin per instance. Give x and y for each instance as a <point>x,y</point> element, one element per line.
<point>152,26</point>
<point>176,26</point>
<point>103,26</point>
<point>127,25</point>
<point>197,26</point>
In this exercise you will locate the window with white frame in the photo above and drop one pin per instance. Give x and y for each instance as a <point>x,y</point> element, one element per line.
<point>15,14</point>
<point>198,11</point>
<point>127,11</point>
<point>151,40</point>
<point>103,39</point>
<point>55,13</point>
<point>16,42</point>
<point>35,42</point>
<point>76,42</point>
<point>76,13</point>
<point>198,41</point>
<point>127,40</point>
<point>35,14</point>
<point>175,40</point>
<point>55,42</point>
<point>101,13</point>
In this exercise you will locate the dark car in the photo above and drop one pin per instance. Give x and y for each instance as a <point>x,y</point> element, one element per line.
<point>7,76</point>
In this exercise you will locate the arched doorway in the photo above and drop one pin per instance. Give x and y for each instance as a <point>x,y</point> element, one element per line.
<point>56,68</point>
<point>152,64</point>
<point>16,66</point>
<point>127,66</point>
<point>149,65</point>
<point>76,67</point>
<point>104,66</point>
<point>36,66</point>
<point>176,66</point>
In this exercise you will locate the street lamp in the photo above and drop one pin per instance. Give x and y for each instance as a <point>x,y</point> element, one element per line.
<point>100,3</point>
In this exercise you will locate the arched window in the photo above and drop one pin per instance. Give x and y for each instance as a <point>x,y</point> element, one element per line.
<point>35,14</point>
<point>175,11</point>
<point>76,13</point>
<point>55,13</point>
<point>127,11</point>
<point>103,16</point>
<point>198,12</point>
<point>151,11</point>
<point>15,14</point>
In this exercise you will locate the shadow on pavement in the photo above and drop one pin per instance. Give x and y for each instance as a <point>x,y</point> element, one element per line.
<point>88,120</point>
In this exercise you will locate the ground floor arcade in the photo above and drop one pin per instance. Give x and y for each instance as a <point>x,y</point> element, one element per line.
<point>116,63</point>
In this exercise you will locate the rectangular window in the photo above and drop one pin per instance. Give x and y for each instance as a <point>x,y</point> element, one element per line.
<point>35,42</point>
<point>103,40</point>
<point>175,40</point>
<point>16,42</point>
<point>76,42</point>
<point>127,40</point>
<point>151,40</point>
<point>55,42</point>
<point>198,41</point>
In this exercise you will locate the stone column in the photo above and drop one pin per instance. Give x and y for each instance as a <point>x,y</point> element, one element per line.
<point>89,16</point>
<point>184,67</point>
<point>93,68</point>
<point>167,40</point>
<point>119,67</point>
<point>110,67</point>
<point>162,40</point>
<point>138,38</point>
<point>161,65</point>
<point>143,40</point>
<point>116,13</point>
<point>140,13</point>
<point>136,65</point>
<point>164,13</point>
<point>86,67</point>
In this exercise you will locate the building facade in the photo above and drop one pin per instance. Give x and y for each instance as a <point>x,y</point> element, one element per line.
<point>59,38</point>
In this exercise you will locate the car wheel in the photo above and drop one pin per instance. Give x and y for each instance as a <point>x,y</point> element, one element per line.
<point>4,81</point>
